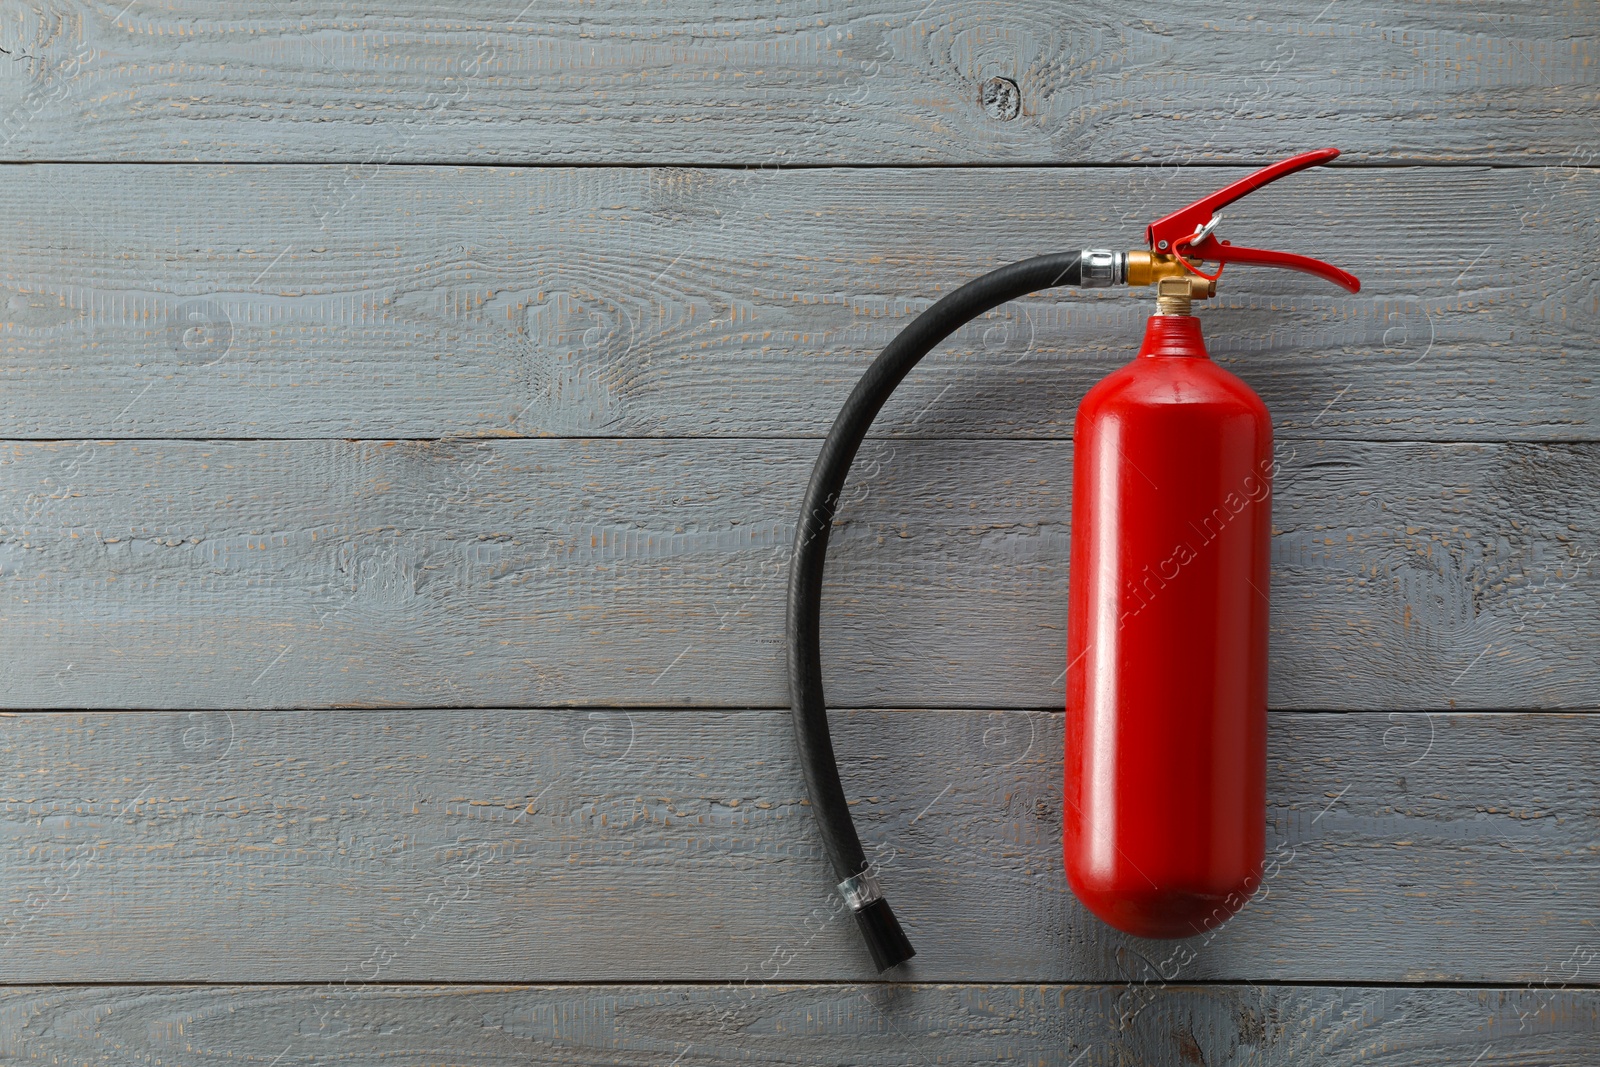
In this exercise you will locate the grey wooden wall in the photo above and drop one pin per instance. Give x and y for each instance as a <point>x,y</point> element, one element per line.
<point>405,410</point>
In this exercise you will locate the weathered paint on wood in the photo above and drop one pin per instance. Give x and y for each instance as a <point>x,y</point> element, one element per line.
<point>601,572</point>
<point>870,1025</point>
<point>816,82</point>
<point>612,845</point>
<point>312,302</point>
<point>348,849</point>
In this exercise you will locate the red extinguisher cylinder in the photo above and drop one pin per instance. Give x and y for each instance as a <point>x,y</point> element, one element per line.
<point>1166,693</point>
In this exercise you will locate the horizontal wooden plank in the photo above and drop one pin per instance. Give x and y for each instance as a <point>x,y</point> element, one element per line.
<point>819,81</point>
<point>315,302</point>
<point>519,573</point>
<point>615,845</point>
<point>870,1025</point>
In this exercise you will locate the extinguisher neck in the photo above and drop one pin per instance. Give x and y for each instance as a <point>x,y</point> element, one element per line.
<point>1173,336</point>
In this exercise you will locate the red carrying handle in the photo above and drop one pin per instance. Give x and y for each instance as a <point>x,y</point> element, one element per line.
<point>1223,252</point>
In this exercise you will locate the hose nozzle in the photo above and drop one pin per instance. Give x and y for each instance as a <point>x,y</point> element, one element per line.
<point>879,928</point>
<point>881,931</point>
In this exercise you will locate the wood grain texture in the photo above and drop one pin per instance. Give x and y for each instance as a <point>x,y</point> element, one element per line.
<point>605,572</point>
<point>317,302</point>
<point>869,1025</point>
<point>250,231</point>
<point>815,82</point>
<point>611,845</point>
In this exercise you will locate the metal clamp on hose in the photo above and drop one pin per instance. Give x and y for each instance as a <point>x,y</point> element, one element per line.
<point>861,890</point>
<point>1103,268</point>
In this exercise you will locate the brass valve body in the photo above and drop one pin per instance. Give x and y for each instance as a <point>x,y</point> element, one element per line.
<point>1176,285</point>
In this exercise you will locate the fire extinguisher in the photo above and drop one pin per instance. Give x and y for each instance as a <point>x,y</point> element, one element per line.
<point>1166,683</point>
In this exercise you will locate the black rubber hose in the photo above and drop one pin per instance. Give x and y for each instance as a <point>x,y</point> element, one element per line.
<point>885,939</point>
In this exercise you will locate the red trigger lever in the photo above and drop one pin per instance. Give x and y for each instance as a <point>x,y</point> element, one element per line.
<point>1187,233</point>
